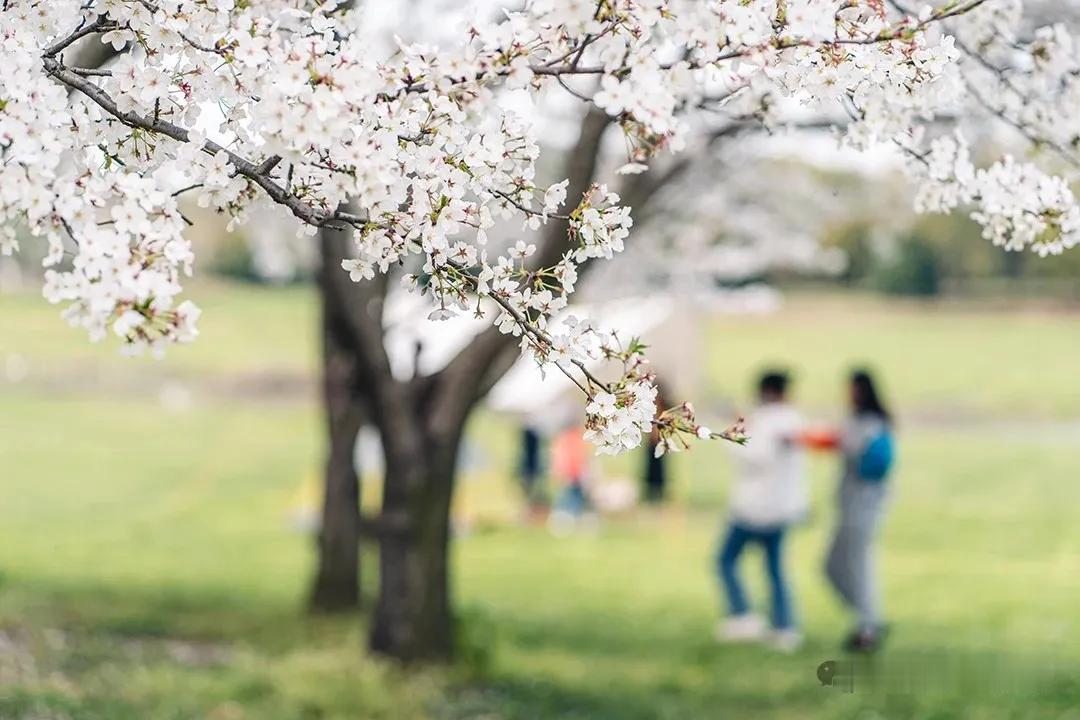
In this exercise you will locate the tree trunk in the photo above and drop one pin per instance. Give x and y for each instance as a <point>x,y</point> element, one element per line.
<point>337,580</point>
<point>413,619</point>
<point>421,424</point>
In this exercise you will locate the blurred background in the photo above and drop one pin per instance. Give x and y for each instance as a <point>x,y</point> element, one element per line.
<point>159,518</point>
<point>157,526</point>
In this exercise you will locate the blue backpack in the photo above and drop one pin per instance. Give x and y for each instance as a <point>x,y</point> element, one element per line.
<point>877,457</point>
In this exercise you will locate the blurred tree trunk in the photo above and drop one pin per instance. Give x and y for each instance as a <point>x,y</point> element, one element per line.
<point>337,580</point>
<point>421,423</point>
<point>413,619</point>
<point>421,430</point>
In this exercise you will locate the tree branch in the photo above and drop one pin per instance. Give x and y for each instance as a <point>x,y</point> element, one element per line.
<point>470,374</point>
<point>102,23</point>
<point>258,174</point>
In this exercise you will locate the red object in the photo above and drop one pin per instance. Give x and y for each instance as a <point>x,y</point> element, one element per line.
<point>820,439</point>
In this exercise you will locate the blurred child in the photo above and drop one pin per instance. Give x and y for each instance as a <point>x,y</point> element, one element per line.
<point>768,496</point>
<point>569,468</point>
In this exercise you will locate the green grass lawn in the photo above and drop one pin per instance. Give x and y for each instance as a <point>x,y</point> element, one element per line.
<point>151,563</point>
<point>246,329</point>
<point>946,359</point>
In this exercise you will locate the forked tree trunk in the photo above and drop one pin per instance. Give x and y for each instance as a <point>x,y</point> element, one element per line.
<point>421,424</point>
<point>413,619</point>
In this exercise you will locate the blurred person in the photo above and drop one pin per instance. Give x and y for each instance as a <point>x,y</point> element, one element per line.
<point>656,476</point>
<point>768,496</point>
<point>865,443</point>
<point>569,470</point>
<point>531,470</point>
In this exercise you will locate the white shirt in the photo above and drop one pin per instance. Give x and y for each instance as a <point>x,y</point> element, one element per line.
<point>770,482</point>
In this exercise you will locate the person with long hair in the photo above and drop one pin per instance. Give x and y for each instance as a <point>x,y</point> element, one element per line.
<point>865,443</point>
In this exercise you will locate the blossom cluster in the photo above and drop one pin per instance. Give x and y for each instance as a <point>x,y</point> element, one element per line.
<point>1029,79</point>
<point>127,228</point>
<point>1018,206</point>
<point>283,102</point>
<point>616,420</point>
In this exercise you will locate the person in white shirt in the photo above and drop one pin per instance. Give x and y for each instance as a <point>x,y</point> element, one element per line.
<point>769,496</point>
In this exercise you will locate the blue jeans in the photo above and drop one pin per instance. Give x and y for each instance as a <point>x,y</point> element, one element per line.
<point>572,500</point>
<point>771,541</point>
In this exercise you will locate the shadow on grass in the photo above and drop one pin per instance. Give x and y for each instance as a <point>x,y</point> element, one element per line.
<point>83,652</point>
<point>599,669</point>
<point>161,611</point>
<point>569,665</point>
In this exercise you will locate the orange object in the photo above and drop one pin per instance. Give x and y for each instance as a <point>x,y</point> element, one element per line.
<point>569,456</point>
<point>819,439</point>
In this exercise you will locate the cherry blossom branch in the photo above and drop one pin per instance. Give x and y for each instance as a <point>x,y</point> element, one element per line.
<point>258,174</point>
<point>101,24</point>
<point>539,334</point>
<point>673,425</point>
<point>187,189</point>
<point>1063,152</point>
<point>526,209</point>
<point>1032,137</point>
<point>91,72</point>
<point>898,31</point>
<point>540,337</point>
<point>153,9</point>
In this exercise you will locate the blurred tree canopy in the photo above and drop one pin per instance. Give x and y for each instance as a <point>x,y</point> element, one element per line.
<point>944,254</point>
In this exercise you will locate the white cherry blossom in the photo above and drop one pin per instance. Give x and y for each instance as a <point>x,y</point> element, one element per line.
<point>413,152</point>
